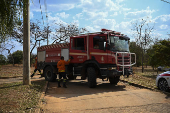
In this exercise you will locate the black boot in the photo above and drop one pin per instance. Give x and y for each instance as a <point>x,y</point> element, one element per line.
<point>32,75</point>
<point>64,85</point>
<point>59,84</point>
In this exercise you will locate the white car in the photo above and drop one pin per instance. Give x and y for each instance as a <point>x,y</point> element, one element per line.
<point>163,68</point>
<point>163,81</point>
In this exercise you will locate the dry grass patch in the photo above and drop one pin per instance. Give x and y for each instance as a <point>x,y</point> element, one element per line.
<point>16,97</point>
<point>7,71</point>
<point>147,79</point>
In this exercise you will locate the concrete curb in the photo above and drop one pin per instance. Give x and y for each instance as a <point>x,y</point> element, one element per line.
<point>142,86</point>
<point>41,100</point>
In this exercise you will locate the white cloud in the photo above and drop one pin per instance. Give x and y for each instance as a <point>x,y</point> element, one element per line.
<point>125,25</point>
<point>60,7</point>
<point>63,15</point>
<point>126,9</point>
<point>55,19</point>
<point>52,7</point>
<point>76,22</point>
<point>162,22</point>
<point>105,23</point>
<point>119,1</point>
<point>90,29</point>
<point>95,15</point>
<point>163,26</point>
<point>114,14</point>
<point>99,5</point>
<point>140,14</point>
<point>78,16</point>
<point>163,18</point>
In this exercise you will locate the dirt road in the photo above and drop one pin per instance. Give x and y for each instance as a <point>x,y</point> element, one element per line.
<point>78,98</point>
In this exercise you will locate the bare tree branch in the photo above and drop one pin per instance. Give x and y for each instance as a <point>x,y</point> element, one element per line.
<point>142,32</point>
<point>64,32</point>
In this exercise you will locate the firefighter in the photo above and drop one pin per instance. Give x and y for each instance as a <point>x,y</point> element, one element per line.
<point>35,65</point>
<point>61,69</point>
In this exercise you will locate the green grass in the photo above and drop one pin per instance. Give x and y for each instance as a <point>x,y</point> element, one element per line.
<point>20,98</point>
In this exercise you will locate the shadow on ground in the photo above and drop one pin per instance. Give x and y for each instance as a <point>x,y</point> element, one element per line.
<point>80,87</point>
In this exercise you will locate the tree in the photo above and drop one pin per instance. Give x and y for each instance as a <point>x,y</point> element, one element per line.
<point>161,54</point>
<point>17,56</point>
<point>151,58</point>
<point>64,32</point>
<point>32,61</point>
<point>142,31</point>
<point>46,33</point>
<point>9,52</point>
<point>10,15</point>
<point>134,48</point>
<point>2,59</point>
<point>36,34</point>
<point>7,46</point>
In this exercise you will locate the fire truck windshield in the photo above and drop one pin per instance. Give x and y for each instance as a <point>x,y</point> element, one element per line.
<point>119,44</point>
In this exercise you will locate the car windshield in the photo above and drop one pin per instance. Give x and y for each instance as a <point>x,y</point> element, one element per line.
<point>119,44</point>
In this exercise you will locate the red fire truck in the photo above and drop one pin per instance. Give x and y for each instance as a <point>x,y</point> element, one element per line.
<point>102,55</point>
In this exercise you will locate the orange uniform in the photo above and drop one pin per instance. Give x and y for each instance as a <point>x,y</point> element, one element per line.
<point>61,65</point>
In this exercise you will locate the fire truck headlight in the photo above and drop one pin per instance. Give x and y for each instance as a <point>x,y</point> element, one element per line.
<point>111,68</point>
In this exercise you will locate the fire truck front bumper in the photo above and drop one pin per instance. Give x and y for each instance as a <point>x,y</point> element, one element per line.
<point>112,73</point>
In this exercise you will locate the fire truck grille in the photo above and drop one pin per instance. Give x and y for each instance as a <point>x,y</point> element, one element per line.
<point>126,60</point>
<point>121,68</point>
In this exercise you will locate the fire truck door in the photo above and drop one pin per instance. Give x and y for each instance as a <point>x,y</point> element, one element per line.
<point>78,49</point>
<point>96,53</point>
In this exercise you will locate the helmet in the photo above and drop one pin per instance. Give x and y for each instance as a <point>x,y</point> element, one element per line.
<point>62,57</point>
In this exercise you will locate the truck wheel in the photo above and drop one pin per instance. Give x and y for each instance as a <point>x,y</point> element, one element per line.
<point>49,75</point>
<point>91,77</point>
<point>114,80</point>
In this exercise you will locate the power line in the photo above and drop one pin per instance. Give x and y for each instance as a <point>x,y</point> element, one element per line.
<point>165,1</point>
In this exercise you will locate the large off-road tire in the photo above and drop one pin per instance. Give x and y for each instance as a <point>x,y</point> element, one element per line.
<point>114,80</point>
<point>91,73</point>
<point>49,75</point>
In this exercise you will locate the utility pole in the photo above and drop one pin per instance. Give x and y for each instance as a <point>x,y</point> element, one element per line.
<point>26,43</point>
<point>47,35</point>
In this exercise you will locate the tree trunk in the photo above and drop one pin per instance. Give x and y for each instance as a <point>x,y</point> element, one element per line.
<point>12,59</point>
<point>142,61</point>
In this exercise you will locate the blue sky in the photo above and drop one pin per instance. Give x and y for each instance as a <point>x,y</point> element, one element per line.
<point>94,15</point>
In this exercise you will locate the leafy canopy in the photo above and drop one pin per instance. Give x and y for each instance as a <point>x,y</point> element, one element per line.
<point>162,53</point>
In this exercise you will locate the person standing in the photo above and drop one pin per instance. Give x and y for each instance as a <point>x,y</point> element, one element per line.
<point>35,65</point>
<point>61,69</point>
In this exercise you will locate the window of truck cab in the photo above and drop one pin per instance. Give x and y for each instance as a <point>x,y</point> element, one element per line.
<point>78,43</point>
<point>96,40</point>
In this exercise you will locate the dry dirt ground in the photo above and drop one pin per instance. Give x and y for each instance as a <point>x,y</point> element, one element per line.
<point>78,98</point>
<point>9,73</point>
<point>105,98</point>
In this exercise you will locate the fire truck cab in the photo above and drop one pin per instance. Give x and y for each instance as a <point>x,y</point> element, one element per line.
<point>102,55</point>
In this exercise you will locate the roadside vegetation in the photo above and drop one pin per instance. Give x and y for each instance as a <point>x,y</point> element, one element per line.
<point>9,71</point>
<point>19,98</point>
<point>146,79</point>
<point>16,97</point>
